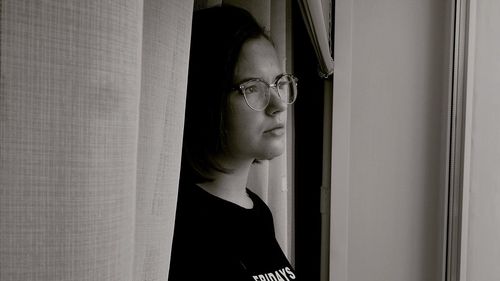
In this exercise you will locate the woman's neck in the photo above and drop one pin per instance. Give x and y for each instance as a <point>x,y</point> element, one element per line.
<point>231,186</point>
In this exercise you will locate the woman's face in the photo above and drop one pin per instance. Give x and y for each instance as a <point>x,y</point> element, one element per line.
<point>256,134</point>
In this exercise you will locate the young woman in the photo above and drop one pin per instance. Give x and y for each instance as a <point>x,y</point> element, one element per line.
<point>235,115</point>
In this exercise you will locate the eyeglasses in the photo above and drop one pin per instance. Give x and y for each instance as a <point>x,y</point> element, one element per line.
<point>257,92</point>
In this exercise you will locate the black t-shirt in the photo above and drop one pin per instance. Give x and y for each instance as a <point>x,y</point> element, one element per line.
<point>215,239</point>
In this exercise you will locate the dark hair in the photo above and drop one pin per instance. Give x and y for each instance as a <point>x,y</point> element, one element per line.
<point>217,36</point>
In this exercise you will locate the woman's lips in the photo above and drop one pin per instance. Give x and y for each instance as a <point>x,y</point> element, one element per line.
<point>277,131</point>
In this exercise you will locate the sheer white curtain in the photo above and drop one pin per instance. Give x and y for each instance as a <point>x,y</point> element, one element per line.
<point>317,16</point>
<point>91,112</point>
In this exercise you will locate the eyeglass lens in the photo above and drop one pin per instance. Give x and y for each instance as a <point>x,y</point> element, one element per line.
<point>257,93</point>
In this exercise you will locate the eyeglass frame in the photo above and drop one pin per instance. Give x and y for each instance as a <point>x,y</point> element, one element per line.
<point>241,89</point>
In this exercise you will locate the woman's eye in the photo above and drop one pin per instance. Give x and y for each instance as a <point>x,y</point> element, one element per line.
<point>251,89</point>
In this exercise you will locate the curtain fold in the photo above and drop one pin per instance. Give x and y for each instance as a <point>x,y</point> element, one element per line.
<point>317,15</point>
<point>91,111</point>
<point>165,60</point>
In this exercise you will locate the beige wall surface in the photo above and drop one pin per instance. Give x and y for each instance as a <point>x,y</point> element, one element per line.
<point>483,251</point>
<point>392,74</point>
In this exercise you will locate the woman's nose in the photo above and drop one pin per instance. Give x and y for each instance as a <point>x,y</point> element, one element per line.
<point>276,105</point>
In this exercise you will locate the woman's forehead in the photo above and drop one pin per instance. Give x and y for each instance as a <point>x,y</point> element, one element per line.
<point>257,59</point>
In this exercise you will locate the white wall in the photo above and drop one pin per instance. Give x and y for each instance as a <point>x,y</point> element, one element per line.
<point>483,250</point>
<point>390,87</point>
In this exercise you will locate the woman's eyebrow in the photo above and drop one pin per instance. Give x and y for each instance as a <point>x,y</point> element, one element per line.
<point>249,79</point>
<point>258,78</point>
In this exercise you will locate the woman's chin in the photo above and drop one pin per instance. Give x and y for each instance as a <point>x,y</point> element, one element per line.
<point>272,152</point>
